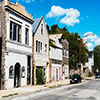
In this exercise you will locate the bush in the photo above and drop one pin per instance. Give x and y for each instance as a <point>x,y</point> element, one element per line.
<point>40,76</point>
<point>89,74</point>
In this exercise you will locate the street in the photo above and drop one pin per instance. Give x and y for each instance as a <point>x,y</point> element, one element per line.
<point>90,90</point>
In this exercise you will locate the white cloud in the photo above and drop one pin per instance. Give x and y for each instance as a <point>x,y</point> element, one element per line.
<point>56,11</point>
<point>89,45</point>
<point>70,18</point>
<point>97,41</point>
<point>92,40</point>
<point>90,36</point>
<point>70,21</point>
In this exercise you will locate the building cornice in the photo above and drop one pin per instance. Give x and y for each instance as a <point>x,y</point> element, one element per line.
<point>7,7</point>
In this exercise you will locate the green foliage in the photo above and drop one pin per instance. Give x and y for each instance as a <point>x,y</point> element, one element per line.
<point>97,57</point>
<point>40,76</point>
<point>77,51</point>
<point>9,95</point>
<point>89,74</point>
<point>55,29</point>
<point>51,43</point>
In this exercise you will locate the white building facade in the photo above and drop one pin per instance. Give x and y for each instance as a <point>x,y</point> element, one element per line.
<point>90,60</point>
<point>18,56</point>
<point>41,46</point>
<point>55,60</point>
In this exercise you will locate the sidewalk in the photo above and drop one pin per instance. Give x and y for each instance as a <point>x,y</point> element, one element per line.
<point>31,89</point>
<point>89,78</point>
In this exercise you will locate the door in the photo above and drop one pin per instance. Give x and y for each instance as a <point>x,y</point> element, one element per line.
<point>17,76</point>
<point>56,74</point>
<point>0,59</point>
<point>28,70</point>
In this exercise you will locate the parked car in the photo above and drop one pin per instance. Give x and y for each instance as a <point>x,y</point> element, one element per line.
<point>76,78</point>
<point>98,75</point>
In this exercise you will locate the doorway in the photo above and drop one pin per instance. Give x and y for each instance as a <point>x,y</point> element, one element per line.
<point>28,70</point>
<point>17,78</point>
<point>56,74</point>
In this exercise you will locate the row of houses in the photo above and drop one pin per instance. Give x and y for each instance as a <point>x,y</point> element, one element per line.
<point>24,48</point>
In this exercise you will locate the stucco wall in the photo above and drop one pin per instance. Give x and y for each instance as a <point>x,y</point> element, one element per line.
<point>17,52</point>
<point>11,60</point>
<point>25,24</point>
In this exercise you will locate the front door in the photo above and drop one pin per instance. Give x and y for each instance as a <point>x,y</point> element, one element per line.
<point>17,77</point>
<point>28,70</point>
<point>56,74</point>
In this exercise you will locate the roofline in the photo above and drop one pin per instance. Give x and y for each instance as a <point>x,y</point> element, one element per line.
<point>57,47</point>
<point>18,13</point>
<point>38,25</point>
<point>56,34</point>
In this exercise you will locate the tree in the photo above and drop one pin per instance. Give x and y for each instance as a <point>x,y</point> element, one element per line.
<point>54,29</point>
<point>97,58</point>
<point>48,28</point>
<point>77,50</point>
<point>64,29</point>
<point>40,76</point>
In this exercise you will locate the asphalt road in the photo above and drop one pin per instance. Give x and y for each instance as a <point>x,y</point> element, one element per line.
<point>89,90</point>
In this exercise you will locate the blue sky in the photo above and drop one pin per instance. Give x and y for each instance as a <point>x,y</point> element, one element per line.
<point>80,16</point>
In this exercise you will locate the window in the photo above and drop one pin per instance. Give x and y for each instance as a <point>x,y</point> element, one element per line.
<point>15,32</point>
<point>41,28</point>
<point>38,46</point>
<point>66,53</point>
<point>26,36</point>
<point>11,30</point>
<point>63,68</point>
<point>23,72</point>
<point>41,47</point>
<point>11,72</point>
<point>45,47</point>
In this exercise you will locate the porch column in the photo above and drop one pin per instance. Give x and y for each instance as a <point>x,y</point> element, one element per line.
<point>34,63</point>
<point>47,73</point>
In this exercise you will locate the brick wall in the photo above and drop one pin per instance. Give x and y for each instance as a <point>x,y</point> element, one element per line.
<point>65,46</point>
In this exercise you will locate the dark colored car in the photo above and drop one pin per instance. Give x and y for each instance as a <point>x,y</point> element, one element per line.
<point>76,78</point>
<point>98,75</point>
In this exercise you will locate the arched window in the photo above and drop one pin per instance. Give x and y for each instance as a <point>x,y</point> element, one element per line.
<point>11,72</point>
<point>23,72</point>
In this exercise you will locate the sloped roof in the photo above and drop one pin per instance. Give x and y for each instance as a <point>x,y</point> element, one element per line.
<point>36,23</point>
<point>19,9</point>
<point>54,36</point>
